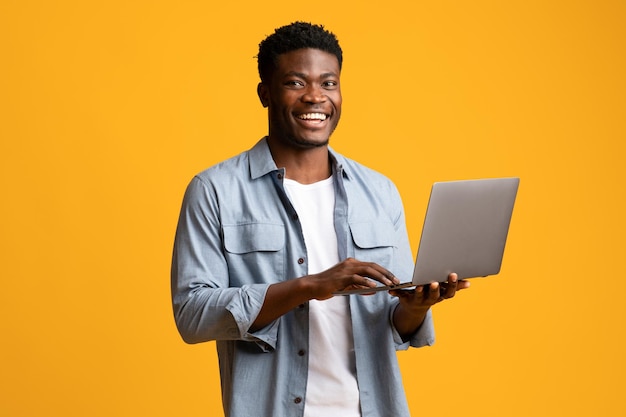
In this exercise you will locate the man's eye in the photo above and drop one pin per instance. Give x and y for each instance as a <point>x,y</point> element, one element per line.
<point>330,84</point>
<point>294,83</point>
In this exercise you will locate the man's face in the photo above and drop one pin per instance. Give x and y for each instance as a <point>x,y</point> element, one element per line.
<point>303,98</point>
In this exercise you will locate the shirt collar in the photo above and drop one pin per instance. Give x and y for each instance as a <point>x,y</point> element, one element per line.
<point>261,161</point>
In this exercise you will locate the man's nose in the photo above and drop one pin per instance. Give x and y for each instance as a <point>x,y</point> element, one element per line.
<point>314,94</point>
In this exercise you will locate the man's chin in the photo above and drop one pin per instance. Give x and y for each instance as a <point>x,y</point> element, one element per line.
<point>308,142</point>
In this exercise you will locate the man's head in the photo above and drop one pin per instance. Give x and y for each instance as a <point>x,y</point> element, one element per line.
<point>297,35</point>
<point>300,66</point>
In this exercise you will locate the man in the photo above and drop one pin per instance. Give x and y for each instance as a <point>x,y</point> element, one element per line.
<point>266,237</point>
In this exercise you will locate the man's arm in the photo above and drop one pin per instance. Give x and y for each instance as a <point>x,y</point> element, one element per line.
<point>205,306</point>
<point>351,273</point>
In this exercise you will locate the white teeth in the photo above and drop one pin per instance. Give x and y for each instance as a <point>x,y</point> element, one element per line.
<point>312,116</point>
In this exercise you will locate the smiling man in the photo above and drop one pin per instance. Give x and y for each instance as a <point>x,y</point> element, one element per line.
<point>304,98</point>
<point>265,238</point>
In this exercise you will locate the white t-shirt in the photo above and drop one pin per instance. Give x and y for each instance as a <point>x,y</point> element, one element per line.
<point>332,389</point>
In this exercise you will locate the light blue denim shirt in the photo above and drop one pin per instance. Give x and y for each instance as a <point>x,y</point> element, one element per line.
<point>237,234</point>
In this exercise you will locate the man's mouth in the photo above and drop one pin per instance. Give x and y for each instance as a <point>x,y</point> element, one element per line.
<point>312,116</point>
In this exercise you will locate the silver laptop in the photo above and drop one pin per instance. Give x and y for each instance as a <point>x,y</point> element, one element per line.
<point>465,231</point>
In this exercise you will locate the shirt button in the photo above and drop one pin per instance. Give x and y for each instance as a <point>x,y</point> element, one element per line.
<point>297,400</point>
<point>279,176</point>
<point>302,306</point>
<point>301,261</point>
<point>301,352</point>
<point>294,216</point>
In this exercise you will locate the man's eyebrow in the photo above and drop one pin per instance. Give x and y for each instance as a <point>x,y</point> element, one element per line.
<point>294,74</point>
<point>303,75</point>
<point>329,75</point>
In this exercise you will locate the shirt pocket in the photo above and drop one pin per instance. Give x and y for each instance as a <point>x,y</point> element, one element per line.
<point>374,242</point>
<point>254,252</point>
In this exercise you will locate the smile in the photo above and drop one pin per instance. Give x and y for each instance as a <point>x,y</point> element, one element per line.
<point>312,116</point>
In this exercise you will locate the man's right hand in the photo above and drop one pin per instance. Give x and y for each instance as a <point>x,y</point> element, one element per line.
<point>347,275</point>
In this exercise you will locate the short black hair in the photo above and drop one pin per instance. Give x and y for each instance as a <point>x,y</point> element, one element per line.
<point>297,35</point>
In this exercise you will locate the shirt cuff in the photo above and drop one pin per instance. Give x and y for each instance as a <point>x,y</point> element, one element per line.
<point>424,336</point>
<point>245,309</point>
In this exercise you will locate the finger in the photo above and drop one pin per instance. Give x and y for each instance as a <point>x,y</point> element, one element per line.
<point>433,296</point>
<point>359,281</point>
<point>374,271</point>
<point>380,274</point>
<point>403,293</point>
<point>462,284</point>
<point>451,286</point>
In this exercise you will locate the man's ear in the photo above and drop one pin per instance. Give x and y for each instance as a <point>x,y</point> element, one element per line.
<point>262,92</point>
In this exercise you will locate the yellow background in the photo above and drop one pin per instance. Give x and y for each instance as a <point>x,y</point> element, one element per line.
<point>108,108</point>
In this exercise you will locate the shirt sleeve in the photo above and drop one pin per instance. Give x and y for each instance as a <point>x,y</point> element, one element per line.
<point>424,336</point>
<point>205,306</point>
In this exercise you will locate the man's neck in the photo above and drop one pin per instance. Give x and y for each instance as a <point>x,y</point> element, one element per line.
<point>305,166</point>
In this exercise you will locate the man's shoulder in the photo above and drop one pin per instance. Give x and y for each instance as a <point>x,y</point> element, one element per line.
<point>359,170</point>
<point>253,162</point>
<point>233,165</point>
